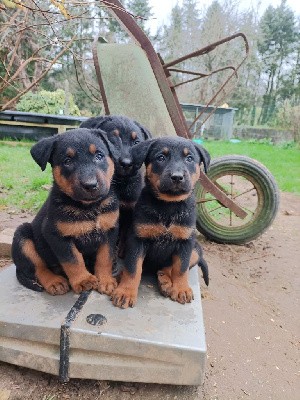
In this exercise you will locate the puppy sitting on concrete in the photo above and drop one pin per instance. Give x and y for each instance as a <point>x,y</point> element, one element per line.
<point>78,224</point>
<point>128,179</point>
<point>162,239</point>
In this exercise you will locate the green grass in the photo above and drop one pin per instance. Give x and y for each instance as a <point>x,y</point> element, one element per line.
<point>282,161</point>
<point>21,179</point>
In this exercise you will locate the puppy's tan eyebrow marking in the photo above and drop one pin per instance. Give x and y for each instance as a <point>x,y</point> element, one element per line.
<point>92,148</point>
<point>116,132</point>
<point>133,135</point>
<point>165,150</point>
<point>70,152</point>
<point>186,151</point>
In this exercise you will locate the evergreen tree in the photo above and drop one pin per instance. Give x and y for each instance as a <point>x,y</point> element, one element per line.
<point>276,45</point>
<point>142,9</point>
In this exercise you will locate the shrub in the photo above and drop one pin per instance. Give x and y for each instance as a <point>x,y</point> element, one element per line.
<point>45,102</point>
<point>288,116</point>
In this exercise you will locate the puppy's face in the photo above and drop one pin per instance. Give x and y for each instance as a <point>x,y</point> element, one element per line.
<point>173,169</point>
<point>81,164</point>
<point>125,130</point>
<point>130,135</point>
<point>172,166</point>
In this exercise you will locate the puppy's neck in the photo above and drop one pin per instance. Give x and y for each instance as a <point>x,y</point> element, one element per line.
<point>167,198</point>
<point>127,178</point>
<point>59,196</point>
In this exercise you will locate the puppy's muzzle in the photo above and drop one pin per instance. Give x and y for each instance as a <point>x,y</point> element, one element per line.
<point>126,163</point>
<point>90,185</point>
<point>177,178</point>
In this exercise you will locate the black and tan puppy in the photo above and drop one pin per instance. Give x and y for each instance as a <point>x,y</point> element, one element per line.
<point>128,179</point>
<point>162,239</point>
<point>78,224</point>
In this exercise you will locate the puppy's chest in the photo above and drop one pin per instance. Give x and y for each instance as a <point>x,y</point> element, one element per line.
<point>165,226</point>
<point>129,191</point>
<point>87,224</point>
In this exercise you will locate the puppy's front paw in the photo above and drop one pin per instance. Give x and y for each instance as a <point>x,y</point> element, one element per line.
<point>181,294</point>
<point>87,282</point>
<point>57,285</point>
<point>164,283</point>
<point>124,297</point>
<point>106,284</point>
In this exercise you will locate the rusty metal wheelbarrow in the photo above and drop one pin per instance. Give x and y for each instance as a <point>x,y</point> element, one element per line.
<point>238,199</point>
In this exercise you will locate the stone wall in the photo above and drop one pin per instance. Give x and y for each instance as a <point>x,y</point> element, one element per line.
<point>277,136</point>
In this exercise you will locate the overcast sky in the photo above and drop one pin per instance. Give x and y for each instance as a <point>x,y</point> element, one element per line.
<point>162,8</point>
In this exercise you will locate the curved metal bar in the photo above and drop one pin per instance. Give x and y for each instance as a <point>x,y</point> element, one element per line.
<point>141,38</point>
<point>202,75</point>
<point>208,49</point>
<point>99,76</point>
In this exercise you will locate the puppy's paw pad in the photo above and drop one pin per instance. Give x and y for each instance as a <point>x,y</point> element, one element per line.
<point>107,285</point>
<point>124,297</point>
<point>57,286</point>
<point>87,283</point>
<point>164,283</point>
<point>182,295</point>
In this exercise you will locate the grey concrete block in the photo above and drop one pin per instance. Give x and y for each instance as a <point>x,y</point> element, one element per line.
<point>6,237</point>
<point>157,341</point>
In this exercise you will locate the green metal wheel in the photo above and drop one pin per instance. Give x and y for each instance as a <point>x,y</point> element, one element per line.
<point>252,186</point>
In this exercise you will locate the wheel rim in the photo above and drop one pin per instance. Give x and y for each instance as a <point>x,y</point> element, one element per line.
<point>240,187</point>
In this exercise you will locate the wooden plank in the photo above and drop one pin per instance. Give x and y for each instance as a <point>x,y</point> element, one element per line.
<point>60,128</point>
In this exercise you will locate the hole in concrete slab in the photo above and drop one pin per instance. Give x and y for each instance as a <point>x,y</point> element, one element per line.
<point>96,319</point>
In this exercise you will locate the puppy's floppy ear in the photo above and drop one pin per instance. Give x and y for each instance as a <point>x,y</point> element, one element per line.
<point>113,146</point>
<point>146,133</point>
<point>41,152</point>
<point>204,156</point>
<point>140,151</point>
<point>95,122</point>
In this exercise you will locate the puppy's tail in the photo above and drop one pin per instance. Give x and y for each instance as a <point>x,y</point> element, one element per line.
<point>25,269</point>
<point>202,263</point>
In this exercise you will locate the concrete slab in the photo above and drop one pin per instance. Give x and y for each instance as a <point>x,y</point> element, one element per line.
<point>6,237</point>
<point>158,341</point>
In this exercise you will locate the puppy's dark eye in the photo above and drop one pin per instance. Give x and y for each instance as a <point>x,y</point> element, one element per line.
<point>189,158</point>
<point>136,142</point>
<point>161,158</point>
<point>98,156</point>
<point>67,161</point>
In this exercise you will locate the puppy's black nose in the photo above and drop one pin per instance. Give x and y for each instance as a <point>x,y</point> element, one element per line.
<point>90,185</point>
<point>177,177</point>
<point>125,162</point>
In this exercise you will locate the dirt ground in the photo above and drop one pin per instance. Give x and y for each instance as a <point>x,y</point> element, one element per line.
<point>251,312</point>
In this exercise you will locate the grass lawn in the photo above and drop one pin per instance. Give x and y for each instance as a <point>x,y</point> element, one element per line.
<point>21,179</point>
<point>282,161</point>
<point>24,186</point>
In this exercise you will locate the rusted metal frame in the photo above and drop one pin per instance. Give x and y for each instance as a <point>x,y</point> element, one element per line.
<point>176,100</point>
<point>213,98</point>
<point>208,49</point>
<point>187,72</point>
<point>203,51</point>
<point>140,37</point>
<point>99,76</point>
<point>221,196</point>
<point>168,93</point>
<point>202,75</point>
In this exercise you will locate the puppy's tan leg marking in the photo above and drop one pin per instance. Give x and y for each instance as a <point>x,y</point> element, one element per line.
<point>125,295</point>
<point>103,270</point>
<point>79,277</point>
<point>174,284</point>
<point>53,284</point>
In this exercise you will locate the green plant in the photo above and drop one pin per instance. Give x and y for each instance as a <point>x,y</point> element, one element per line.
<point>288,116</point>
<point>48,103</point>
